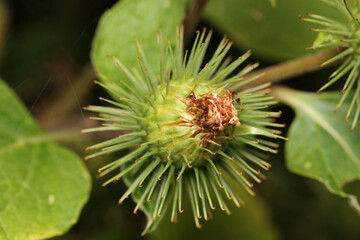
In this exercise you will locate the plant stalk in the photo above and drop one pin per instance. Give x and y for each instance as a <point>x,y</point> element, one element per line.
<point>292,68</point>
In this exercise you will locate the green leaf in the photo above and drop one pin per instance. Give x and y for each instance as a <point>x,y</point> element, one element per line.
<point>273,3</point>
<point>274,34</point>
<point>134,18</point>
<point>43,185</point>
<point>321,145</point>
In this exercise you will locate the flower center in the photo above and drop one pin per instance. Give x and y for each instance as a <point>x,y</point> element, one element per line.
<point>212,113</point>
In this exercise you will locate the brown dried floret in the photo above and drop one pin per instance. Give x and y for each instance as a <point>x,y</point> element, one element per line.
<point>212,113</point>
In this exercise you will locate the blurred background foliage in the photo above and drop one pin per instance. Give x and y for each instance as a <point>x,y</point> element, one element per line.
<point>44,57</point>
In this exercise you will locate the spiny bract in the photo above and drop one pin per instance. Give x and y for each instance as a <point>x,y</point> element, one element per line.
<point>343,34</point>
<point>188,130</point>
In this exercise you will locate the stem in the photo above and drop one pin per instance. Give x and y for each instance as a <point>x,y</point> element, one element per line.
<point>354,203</point>
<point>192,19</point>
<point>4,26</point>
<point>292,68</point>
<point>69,129</point>
<point>65,135</point>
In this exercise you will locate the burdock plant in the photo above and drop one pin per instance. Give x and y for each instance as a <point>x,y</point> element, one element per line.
<point>345,35</point>
<point>188,130</point>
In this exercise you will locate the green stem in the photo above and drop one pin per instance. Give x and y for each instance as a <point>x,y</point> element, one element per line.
<point>354,203</point>
<point>65,136</point>
<point>292,68</point>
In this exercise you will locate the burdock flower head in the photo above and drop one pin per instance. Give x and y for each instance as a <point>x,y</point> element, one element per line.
<point>188,130</point>
<point>345,35</point>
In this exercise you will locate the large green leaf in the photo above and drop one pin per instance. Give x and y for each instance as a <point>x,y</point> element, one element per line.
<point>273,3</point>
<point>321,144</point>
<point>134,18</point>
<point>43,186</point>
<point>271,33</point>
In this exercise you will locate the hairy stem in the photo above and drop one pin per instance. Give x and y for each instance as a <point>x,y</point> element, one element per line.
<point>292,68</point>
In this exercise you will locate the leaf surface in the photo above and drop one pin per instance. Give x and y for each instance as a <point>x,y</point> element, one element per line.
<point>129,19</point>
<point>43,185</point>
<point>274,34</point>
<point>321,144</point>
